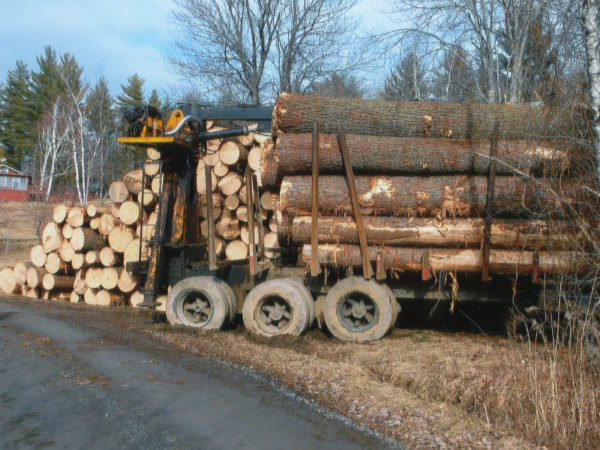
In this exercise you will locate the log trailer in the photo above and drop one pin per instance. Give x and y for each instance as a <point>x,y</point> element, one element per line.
<point>283,289</point>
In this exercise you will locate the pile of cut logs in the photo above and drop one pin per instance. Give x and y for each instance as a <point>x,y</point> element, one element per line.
<point>422,177</point>
<point>83,251</point>
<point>227,160</point>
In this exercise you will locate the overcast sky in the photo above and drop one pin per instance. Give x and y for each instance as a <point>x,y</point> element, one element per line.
<point>114,38</point>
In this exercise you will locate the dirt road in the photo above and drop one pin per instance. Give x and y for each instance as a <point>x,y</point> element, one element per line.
<point>66,382</point>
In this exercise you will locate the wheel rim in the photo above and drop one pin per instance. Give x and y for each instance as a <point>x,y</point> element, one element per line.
<point>273,314</point>
<point>195,308</point>
<point>357,312</point>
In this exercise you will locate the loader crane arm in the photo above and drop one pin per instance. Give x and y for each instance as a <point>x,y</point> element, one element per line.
<point>180,135</point>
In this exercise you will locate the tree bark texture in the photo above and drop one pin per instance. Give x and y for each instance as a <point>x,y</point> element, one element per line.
<point>444,196</point>
<point>427,232</point>
<point>296,113</point>
<point>445,260</point>
<point>396,156</point>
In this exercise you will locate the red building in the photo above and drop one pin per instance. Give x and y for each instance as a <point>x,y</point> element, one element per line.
<point>14,185</point>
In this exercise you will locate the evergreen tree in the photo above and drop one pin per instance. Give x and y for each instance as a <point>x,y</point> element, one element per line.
<point>132,91</point>
<point>99,106</point>
<point>17,117</point>
<point>406,81</point>
<point>53,78</point>
<point>102,120</point>
<point>453,80</point>
<point>154,99</point>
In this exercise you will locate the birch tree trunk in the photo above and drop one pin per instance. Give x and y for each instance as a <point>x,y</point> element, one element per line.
<point>591,24</point>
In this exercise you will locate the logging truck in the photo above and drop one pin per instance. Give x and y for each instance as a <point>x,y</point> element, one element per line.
<point>339,210</point>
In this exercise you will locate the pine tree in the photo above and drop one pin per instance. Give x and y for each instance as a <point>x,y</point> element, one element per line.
<point>406,81</point>
<point>132,91</point>
<point>17,117</point>
<point>453,81</point>
<point>102,120</point>
<point>154,99</point>
<point>53,77</point>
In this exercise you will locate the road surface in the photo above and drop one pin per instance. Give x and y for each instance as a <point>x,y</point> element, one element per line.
<point>70,383</point>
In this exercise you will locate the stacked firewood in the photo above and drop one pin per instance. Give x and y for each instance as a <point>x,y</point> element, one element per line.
<point>421,176</point>
<point>83,251</point>
<point>227,160</point>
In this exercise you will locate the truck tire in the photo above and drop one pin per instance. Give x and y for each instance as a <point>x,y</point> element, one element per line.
<point>306,296</point>
<point>396,308</point>
<point>276,307</point>
<point>231,299</point>
<point>199,302</point>
<point>359,310</point>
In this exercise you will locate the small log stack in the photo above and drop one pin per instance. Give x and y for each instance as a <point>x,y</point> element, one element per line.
<point>227,160</point>
<point>83,250</point>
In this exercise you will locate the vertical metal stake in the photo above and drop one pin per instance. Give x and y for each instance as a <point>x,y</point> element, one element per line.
<point>315,267</point>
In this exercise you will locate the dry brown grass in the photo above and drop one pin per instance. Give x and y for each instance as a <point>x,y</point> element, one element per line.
<point>22,223</point>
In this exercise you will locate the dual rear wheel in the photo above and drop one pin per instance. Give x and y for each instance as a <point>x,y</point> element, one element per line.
<point>354,309</point>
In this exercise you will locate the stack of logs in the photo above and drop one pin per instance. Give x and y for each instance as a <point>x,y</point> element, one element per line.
<point>422,175</point>
<point>83,251</point>
<point>228,160</point>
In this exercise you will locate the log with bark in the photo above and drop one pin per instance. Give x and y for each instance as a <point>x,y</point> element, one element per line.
<point>66,251</point>
<point>105,298</point>
<point>79,283</point>
<point>96,210</point>
<point>89,297</point>
<point>426,232</point>
<point>109,278</point>
<point>118,192</point>
<point>446,260</point>
<point>35,276</point>
<point>120,237</point>
<point>20,272</point>
<point>297,113</point>
<point>126,282</point>
<point>236,250</point>
<point>107,223</point>
<point>54,264</point>
<point>129,212</point>
<point>59,213</point>
<point>58,282</point>
<point>400,155</point>
<point>37,256</point>
<point>92,257</point>
<point>77,217</point>
<point>232,152</point>
<point>8,283</point>
<point>444,196</point>
<point>51,237</point>
<point>93,277</point>
<point>85,239</point>
<point>78,261</point>
<point>133,181</point>
<point>108,257</point>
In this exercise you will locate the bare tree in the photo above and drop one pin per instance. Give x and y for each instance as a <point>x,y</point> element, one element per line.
<point>225,39</point>
<point>261,46</point>
<point>477,25</point>
<point>83,143</point>
<point>591,26</point>
<point>52,146</point>
<point>312,41</point>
